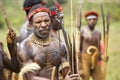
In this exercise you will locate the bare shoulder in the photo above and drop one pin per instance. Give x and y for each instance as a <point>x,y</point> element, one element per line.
<point>25,50</point>
<point>25,43</point>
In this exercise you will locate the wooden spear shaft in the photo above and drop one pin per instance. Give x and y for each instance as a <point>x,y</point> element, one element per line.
<point>105,54</point>
<point>103,20</point>
<point>53,73</point>
<point>4,15</point>
<point>77,45</point>
<point>77,36</point>
<point>74,65</point>
<point>106,43</point>
<point>71,9</point>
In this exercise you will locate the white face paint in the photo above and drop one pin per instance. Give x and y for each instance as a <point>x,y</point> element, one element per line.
<point>40,14</point>
<point>41,23</point>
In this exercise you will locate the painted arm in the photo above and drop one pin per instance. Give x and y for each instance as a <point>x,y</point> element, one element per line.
<point>30,70</point>
<point>13,63</point>
<point>9,64</point>
<point>64,67</point>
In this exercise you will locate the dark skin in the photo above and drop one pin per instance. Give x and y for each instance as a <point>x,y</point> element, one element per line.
<point>5,62</point>
<point>56,26</point>
<point>54,31</point>
<point>39,53</point>
<point>90,37</point>
<point>26,28</point>
<point>95,38</point>
<point>29,52</point>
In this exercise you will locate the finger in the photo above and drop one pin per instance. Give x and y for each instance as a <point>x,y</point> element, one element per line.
<point>8,35</point>
<point>13,34</point>
<point>74,78</point>
<point>74,75</point>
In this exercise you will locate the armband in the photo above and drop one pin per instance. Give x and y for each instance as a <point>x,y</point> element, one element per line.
<point>32,67</point>
<point>64,65</point>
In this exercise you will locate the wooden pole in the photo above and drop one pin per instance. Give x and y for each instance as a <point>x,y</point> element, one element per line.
<point>106,44</point>
<point>53,73</point>
<point>4,14</point>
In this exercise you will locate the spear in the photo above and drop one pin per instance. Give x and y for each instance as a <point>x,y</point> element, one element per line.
<point>71,15</point>
<point>74,65</point>
<point>77,37</point>
<point>105,34</point>
<point>13,50</point>
<point>69,51</point>
<point>67,43</point>
<point>70,54</point>
<point>5,15</point>
<point>53,73</point>
<point>103,20</point>
<point>106,42</point>
<point>79,16</point>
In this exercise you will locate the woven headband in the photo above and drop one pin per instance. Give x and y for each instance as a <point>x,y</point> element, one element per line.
<point>41,9</point>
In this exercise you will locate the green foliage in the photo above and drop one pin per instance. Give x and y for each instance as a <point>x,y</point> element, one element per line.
<point>1,22</point>
<point>114,9</point>
<point>51,2</point>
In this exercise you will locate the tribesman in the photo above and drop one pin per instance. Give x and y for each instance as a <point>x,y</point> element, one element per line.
<point>40,52</point>
<point>56,16</point>
<point>5,62</point>
<point>26,29</point>
<point>90,48</point>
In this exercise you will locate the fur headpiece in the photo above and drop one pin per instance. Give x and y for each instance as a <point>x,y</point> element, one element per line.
<point>28,4</point>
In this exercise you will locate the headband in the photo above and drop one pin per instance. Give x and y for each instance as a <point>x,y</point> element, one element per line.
<point>41,9</point>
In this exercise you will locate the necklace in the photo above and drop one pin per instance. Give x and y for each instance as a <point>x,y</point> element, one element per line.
<point>40,41</point>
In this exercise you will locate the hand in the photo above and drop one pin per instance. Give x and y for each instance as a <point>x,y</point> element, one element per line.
<point>30,68</point>
<point>105,58</point>
<point>11,36</point>
<point>73,77</point>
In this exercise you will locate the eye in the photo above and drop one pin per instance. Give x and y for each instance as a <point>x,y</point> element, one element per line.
<point>47,20</point>
<point>37,22</point>
<point>94,19</point>
<point>89,19</point>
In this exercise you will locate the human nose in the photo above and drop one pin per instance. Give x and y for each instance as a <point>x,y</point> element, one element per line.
<point>43,24</point>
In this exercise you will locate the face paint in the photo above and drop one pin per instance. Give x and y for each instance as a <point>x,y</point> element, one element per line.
<point>38,32</point>
<point>41,23</point>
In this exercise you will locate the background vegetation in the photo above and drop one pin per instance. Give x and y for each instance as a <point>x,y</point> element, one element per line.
<point>17,17</point>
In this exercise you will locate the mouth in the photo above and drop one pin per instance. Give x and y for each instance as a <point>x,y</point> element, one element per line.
<point>44,31</point>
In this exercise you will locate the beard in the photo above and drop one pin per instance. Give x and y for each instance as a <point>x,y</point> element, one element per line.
<point>39,33</point>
